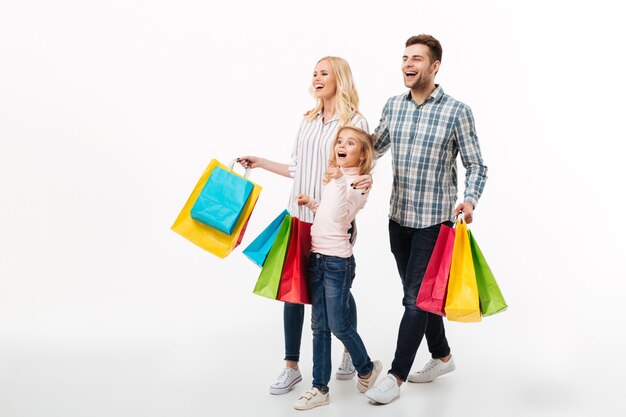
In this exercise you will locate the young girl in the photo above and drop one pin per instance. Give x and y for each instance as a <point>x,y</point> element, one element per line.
<point>331,264</point>
<point>337,104</point>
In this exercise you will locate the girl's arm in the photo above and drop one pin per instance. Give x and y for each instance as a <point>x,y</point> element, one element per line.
<point>346,202</point>
<point>355,201</point>
<point>305,200</point>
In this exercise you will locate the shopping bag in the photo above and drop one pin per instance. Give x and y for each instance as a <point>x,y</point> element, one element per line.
<point>294,285</point>
<point>208,238</point>
<point>222,199</point>
<point>462,303</point>
<point>269,278</point>
<point>258,249</point>
<point>491,299</point>
<point>432,294</point>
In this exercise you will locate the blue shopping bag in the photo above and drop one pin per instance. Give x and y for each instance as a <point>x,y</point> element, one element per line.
<point>259,248</point>
<point>222,199</point>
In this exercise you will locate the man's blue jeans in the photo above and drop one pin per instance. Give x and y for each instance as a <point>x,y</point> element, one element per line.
<point>412,249</point>
<point>330,280</point>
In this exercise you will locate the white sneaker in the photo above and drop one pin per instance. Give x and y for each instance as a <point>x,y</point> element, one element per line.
<point>364,384</point>
<point>385,391</point>
<point>433,369</point>
<point>288,379</point>
<point>311,398</point>
<point>346,369</point>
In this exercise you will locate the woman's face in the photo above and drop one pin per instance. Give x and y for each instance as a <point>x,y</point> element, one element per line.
<point>324,81</point>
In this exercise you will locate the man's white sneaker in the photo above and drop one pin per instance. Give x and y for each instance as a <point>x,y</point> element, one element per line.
<point>364,384</point>
<point>433,369</point>
<point>311,398</point>
<point>385,391</point>
<point>287,379</point>
<point>346,369</point>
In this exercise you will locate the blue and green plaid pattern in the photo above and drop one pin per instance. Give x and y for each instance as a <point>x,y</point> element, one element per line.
<point>425,140</point>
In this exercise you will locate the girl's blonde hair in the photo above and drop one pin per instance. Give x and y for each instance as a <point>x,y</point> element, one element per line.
<point>346,97</point>
<point>367,151</point>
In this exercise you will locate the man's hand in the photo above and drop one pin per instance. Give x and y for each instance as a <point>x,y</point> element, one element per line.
<point>467,209</point>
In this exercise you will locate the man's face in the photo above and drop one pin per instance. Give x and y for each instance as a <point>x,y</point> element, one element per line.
<point>417,70</point>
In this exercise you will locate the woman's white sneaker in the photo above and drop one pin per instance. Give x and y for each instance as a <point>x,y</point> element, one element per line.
<point>346,369</point>
<point>287,379</point>
<point>433,369</point>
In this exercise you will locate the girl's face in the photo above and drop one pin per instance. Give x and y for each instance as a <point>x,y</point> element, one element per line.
<point>348,149</point>
<point>324,81</point>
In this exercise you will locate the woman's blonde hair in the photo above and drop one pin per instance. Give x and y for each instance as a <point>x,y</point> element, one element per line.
<point>367,151</point>
<point>347,99</point>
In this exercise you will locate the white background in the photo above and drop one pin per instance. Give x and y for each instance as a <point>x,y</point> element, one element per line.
<point>110,111</point>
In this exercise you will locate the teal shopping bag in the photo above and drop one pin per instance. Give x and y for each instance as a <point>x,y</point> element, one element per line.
<point>491,299</point>
<point>259,248</point>
<point>222,199</point>
<point>269,279</point>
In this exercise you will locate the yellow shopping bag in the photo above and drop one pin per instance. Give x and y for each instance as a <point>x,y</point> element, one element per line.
<point>212,240</point>
<point>462,302</point>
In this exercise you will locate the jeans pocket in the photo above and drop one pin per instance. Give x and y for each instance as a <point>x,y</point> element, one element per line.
<point>336,264</point>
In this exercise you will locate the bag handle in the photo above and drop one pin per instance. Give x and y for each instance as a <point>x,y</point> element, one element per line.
<point>459,217</point>
<point>232,165</point>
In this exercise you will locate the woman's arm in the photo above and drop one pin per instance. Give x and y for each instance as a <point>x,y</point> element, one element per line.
<point>258,162</point>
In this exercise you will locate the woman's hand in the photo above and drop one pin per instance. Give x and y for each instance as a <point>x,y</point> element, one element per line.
<point>363,182</point>
<point>251,162</point>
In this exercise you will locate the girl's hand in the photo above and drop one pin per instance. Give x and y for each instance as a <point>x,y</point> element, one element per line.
<point>250,161</point>
<point>363,182</point>
<point>334,172</point>
<point>302,199</point>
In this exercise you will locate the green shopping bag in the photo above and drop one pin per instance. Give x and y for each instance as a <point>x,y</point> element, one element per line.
<point>491,299</point>
<point>269,279</point>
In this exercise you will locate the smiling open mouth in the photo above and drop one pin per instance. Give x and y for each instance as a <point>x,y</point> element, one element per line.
<point>341,154</point>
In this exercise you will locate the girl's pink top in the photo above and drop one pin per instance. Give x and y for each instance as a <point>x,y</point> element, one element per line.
<point>333,215</point>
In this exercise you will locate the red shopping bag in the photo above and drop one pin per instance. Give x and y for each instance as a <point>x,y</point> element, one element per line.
<point>294,285</point>
<point>432,294</point>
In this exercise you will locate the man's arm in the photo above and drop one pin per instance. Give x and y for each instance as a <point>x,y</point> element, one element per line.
<point>475,169</point>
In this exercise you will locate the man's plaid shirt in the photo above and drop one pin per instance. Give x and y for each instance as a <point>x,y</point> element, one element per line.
<point>425,140</point>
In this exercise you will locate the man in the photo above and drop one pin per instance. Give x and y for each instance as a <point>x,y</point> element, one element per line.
<point>425,130</point>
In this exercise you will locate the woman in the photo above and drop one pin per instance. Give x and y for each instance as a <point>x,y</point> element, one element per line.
<point>337,105</point>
